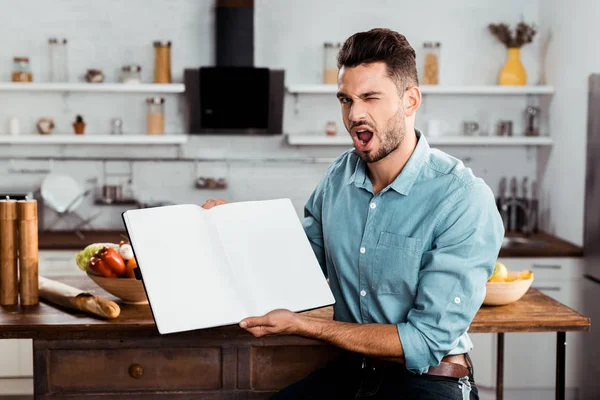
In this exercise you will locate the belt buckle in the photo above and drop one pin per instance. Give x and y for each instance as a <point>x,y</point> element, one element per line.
<point>367,364</point>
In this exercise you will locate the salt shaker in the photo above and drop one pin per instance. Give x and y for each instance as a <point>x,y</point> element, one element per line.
<point>28,252</point>
<point>116,125</point>
<point>9,278</point>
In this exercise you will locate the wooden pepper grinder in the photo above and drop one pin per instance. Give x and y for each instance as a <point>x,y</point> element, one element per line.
<point>28,252</point>
<point>9,281</point>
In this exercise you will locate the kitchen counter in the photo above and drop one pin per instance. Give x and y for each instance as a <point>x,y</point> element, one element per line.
<point>135,361</point>
<point>550,246</point>
<point>68,240</point>
<point>553,246</point>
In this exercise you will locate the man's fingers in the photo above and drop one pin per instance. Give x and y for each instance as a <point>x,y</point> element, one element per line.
<point>258,331</point>
<point>213,203</point>
<point>253,322</point>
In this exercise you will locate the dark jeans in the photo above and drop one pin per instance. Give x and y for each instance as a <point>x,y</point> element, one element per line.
<point>345,379</point>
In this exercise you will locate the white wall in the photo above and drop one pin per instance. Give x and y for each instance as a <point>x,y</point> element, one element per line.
<point>572,57</point>
<point>289,34</point>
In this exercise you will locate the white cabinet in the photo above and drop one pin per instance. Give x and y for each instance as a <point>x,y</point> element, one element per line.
<point>483,356</point>
<point>530,358</point>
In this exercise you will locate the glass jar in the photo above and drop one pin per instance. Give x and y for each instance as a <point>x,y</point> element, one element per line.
<point>21,71</point>
<point>331,128</point>
<point>131,74</point>
<point>116,126</point>
<point>58,60</point>
<point>162,62</point>
<point>155,115</point>
<point>431,63</point>
<point>330,69</point>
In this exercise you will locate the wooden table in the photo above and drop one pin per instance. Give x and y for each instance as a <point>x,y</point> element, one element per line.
<point>78,356</point>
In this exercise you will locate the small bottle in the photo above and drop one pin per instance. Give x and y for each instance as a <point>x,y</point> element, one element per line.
<point>431,63</point>
<point>330,70</point>
<point>21,70</point>
<point>116,126</point>
<point>162,62</point>
<point>331,128</point>
<point>155,116</point>
<point>13,126</point>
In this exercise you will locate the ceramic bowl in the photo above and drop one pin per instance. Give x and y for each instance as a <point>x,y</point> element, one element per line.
<point>129,290</point>
<point>502,293</point>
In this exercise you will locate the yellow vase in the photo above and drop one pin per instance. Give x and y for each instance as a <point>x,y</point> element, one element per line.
<point>513,72</point>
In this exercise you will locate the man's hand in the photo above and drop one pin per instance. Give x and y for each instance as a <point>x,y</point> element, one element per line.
<point>213,203</point>
<point>276,322</point>
<point>377,340</point>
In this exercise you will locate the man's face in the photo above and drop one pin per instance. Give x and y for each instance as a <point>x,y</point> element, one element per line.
<point>372,110</point>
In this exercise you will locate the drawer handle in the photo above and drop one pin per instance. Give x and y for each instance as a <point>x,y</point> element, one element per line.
<point>541,266</point>
<point>548,288</point>
<point>136,371</point>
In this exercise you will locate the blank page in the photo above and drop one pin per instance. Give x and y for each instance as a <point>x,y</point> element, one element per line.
<point>269,251</point>
<point>186,274</point>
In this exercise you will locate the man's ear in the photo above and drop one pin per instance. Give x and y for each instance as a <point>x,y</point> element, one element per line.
<point>411,101</point>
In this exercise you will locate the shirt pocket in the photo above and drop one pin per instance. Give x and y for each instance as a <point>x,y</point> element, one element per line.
<point>397,264</point>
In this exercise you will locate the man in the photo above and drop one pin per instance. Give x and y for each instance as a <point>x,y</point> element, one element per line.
<point>407,237</point>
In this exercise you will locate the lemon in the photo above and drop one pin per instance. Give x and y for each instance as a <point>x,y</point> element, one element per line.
<point>525,275</point>
<point>500,273</point>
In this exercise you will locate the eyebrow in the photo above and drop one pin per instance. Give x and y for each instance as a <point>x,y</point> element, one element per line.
<point>362,96</point>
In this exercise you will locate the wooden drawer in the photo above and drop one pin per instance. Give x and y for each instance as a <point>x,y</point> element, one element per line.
<point>134,369</point>
<point>275,367</point>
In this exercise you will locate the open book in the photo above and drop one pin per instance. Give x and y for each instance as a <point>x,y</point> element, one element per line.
<point>204,268</point>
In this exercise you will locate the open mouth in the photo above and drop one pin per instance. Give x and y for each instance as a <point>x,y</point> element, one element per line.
<point>363,137</point>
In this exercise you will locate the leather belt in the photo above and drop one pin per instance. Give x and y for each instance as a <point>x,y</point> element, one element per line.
<point>453,366</point>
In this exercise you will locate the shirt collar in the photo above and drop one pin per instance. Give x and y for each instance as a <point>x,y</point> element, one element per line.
<point>407,177</point>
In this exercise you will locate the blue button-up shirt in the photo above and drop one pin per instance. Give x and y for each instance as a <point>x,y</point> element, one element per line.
<point>417,254</point>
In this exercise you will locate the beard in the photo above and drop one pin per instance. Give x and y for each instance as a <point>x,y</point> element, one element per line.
<point>390,140</point>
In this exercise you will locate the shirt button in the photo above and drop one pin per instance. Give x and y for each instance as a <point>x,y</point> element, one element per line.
<point>363,250</point>
<point>363,293</point>
<point>457,300</point>
<point>373,205</point>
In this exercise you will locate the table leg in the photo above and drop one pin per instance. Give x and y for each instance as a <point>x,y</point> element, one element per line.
<point>561,344</point>
<point>500,367</point>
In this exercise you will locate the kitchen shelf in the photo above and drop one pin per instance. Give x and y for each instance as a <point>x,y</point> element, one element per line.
<point>93,87</point>
<point>314,140</point>
<point>438,89</point>
<point>87,139</point>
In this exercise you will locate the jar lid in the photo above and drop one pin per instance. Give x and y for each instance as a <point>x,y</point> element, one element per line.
<point>21,59</point>
<point>52,40</point>
<point>155,100</point>
<point>130,68</point>
<point>161,43</point>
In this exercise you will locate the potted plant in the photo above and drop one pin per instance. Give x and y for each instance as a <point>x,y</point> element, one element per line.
<point>513,72</point>
<point>79,125</point>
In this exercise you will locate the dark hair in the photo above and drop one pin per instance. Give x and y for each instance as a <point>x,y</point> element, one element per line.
<point>381,45</point>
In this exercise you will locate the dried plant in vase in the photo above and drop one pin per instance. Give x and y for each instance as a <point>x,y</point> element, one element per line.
<point>513,72</point>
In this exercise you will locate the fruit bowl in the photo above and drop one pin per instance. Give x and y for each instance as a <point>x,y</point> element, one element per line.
<point>515,285</point>
<point>129,290</point>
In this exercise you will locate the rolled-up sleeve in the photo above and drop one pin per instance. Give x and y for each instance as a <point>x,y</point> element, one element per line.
<point>312,222</point>
<point>451,288</point>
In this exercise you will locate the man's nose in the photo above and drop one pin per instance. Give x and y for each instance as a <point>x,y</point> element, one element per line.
<point>357,112</point>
